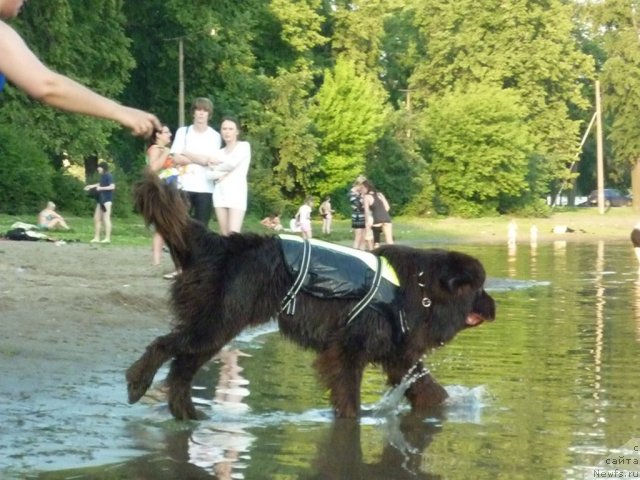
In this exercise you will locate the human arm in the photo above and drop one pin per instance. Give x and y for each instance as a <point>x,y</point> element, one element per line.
<point>367,201</point>
<point>196,158</point>
<point>266,222</point>
<point>156,156</point>
<point>227,162</point>
<point>384,201</point>
<point>23,69</point>
<point>111,186</point>
<point>177,147</point>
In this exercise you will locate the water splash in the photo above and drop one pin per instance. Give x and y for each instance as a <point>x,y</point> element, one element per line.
<point>392,399</point>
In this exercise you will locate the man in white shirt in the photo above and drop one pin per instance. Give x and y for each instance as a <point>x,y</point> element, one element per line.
<point>192,147</point>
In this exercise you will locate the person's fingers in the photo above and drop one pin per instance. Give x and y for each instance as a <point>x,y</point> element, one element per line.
<point>156,125</point>
<point>146,125</point>
<point>141,123</point>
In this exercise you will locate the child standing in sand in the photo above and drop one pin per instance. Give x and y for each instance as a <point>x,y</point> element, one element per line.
<point>304,217</point>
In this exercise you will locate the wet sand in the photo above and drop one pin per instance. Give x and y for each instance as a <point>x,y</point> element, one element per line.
<point>74,317</point>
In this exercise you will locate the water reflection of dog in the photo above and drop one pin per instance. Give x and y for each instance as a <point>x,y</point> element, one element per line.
<point>340,454</point>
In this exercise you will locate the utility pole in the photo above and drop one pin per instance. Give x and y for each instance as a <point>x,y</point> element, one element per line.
<point>407,91</point>
<point>212,33</point>
<point>599,151</point>
<point>181,82</point>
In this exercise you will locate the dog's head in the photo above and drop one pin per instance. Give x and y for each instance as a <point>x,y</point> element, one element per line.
<point>443,289</point>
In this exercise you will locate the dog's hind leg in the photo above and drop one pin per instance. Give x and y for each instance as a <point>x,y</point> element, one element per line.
<point>141,373</point>
<point>342,374</point>
<point>183,369</point>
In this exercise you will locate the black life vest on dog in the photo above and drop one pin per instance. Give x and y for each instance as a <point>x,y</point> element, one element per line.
<point>327,270</point>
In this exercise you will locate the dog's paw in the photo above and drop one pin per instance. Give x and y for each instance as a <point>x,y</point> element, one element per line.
<point>426,393</point>
<point>186,411</point>
<point>137,383</point>
<point>180,403</point>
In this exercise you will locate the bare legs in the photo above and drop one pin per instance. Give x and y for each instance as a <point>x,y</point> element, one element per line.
<point>326,225</point>
<point>157,244</point>
<point>229,219</point>
<point>358,238</point>
<point>387,230</point>
<point>100,218</point>
<point>58,221</point>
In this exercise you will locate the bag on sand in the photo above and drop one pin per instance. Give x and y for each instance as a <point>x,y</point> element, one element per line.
<point>19,234</point>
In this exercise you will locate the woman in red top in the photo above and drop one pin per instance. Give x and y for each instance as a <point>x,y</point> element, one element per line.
<point>159,160</point>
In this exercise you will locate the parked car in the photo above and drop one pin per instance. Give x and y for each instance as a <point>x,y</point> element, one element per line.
<point>612,198</point>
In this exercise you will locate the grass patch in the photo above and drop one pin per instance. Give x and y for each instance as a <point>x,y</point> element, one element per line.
<point>615,223</point>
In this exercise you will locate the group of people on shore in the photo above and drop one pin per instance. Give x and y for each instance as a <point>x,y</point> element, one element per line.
<point>102,192</point>
<point>370,216</point>
<point>211,175</point>
<point>208,167</point>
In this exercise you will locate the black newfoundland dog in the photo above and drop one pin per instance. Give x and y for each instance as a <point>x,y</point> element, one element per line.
<point>230,283</point>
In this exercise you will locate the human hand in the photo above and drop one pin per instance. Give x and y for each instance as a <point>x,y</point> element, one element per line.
<point>141,123</point>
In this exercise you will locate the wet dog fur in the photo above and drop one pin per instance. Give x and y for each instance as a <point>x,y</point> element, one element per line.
<point>230,283</point>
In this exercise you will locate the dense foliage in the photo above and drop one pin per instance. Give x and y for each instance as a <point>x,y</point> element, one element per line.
<point>467,108</point>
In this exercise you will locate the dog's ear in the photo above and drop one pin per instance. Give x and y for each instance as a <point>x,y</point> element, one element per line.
<point>463,273</point>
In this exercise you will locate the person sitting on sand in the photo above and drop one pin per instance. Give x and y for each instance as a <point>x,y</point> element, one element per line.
<point>48,219</point>
<point>272,222</point>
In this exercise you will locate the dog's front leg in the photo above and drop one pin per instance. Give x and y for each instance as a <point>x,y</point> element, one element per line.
<point>183,369</point>
<point>141,373</point>
<point>425,392</point>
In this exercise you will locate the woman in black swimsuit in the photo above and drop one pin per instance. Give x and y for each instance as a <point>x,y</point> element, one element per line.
<point>376,211</point>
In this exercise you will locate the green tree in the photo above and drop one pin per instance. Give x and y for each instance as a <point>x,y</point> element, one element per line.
<point>396,163</point>
<point>286,127</point>
<point>295,149</point>
<point>479,147</point>
<point>25,173</point>
<point>616,25</point>
<point>349,115</point>
<point>402,50</point>
<point>358,30</point>
<point>522,45</point>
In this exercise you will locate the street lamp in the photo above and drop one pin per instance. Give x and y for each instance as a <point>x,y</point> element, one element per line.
<point>212,33</point>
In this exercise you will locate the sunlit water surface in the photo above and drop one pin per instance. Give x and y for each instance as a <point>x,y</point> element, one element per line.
<point>549,390</point>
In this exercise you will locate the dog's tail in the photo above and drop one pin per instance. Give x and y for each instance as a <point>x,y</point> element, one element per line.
<point>162,206</point>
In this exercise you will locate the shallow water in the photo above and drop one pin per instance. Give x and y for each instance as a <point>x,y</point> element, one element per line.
<point>548,390</point>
